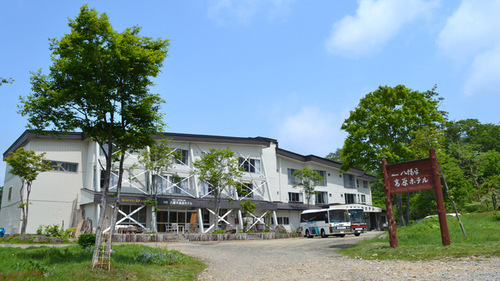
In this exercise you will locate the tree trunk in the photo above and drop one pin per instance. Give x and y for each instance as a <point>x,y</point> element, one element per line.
<point>103,204</point>
<point>116,206</point>
<point>399,206</point>
<point>408,208</point>
<point>21,196</point>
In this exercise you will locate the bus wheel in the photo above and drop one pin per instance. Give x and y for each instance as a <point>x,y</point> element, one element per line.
<point>323,234</point>
<point>342,235</point>
<point>357,234</point>
<point>308,235</point>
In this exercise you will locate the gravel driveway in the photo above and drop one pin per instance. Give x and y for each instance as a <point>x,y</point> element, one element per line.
<point>315,259</point>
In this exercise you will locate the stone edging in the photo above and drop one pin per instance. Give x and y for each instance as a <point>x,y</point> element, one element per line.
<point>238,236</point>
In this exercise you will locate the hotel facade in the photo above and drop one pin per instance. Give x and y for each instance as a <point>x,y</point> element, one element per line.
<point>72,192</point>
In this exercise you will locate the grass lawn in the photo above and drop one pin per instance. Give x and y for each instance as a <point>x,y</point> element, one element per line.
<point>422,240</point>
<point>128,262</point>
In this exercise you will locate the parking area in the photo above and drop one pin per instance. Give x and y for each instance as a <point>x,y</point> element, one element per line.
<point>309,259</point>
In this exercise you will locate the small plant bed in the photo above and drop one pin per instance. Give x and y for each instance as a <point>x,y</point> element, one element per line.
<point>128,262</point>
<point>422,240</point>
<point>44,235</point>
<point>32,239</point>
<point>224,236</point>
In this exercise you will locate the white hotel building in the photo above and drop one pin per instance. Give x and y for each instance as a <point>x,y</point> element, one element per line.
<point>76,186</point>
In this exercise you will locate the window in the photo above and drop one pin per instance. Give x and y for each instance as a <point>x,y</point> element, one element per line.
<point>294,197</point>
<point>350,198</point>
<point>250,165</point>
<point>182,157</point>
<point>63,166</point>
<point>323,175</point>
<point>159,185</point>
<point>178,184</point>
<point>113,180</point>
<point>246,190</point>
<point>322,197</point>
<point>139,216</point>
<point>365,184</point>
<point>349,181</point>
<point>206,189</point>
<point>291,179</point>
<point>363,198</point>
<point>10,194</point>
<point>169,184</point>
<point>283,220</point>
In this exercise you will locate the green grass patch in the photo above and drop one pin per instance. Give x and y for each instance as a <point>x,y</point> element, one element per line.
<point>128,262</point>
<point>422,240</point>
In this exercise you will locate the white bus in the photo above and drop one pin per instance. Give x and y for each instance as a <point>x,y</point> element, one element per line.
<point>325,222</point>
<point>358,223</point>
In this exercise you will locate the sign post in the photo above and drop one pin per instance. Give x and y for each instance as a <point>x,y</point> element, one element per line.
<point>414,176</point>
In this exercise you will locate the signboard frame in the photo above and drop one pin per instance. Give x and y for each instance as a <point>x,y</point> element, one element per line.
<point>412,176</point>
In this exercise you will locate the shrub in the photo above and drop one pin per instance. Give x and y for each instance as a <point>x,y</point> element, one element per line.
<point>86,240</point>
<point>219,231</point>
<point>496,215</point>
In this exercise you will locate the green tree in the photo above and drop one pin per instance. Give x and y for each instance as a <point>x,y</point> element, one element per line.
<point>6,81</point>
<point>471,131</point>
<point>382,126</point>
<point>26,165</point>
<point>473,149</point>
<point>307,179</point>
<point>157,160</point>
<point>99,84</point>
<point>221,171</point>
<point>335,156</point>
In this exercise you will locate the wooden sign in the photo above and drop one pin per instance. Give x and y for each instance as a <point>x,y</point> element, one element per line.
<point>412,176</point>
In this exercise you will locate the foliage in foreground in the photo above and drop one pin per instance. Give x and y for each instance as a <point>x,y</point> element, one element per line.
<point>128,262</point>
<point>422,240</point>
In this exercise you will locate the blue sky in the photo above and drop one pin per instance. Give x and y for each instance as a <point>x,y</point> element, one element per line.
<point>285,69</point>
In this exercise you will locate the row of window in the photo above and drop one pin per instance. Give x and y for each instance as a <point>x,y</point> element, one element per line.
<point>349,180</point>
<point>322,197</point>
<point>62,166</point>
<point>293,180</point>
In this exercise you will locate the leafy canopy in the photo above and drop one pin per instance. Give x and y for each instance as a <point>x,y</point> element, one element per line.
<point>26,164</point>
<point>219,168</point>
<point>307,179</point>
<point>99,83</point>
<point>383,123</point>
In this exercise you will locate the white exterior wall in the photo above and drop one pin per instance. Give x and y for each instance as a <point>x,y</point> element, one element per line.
<point>53,192</point>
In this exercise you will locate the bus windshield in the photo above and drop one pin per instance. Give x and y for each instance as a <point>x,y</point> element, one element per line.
<point>357,216</point>
<point>338,216</point>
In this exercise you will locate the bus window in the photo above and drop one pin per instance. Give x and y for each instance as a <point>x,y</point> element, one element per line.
<point>357,215</point>
<point>338,216</point>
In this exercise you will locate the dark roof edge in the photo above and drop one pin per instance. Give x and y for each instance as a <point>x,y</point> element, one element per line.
<point>27,135</point>
<point>324,161</point>
<point>220,139</point>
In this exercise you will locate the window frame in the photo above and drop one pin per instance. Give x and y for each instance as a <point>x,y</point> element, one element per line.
<point>299,196</point>
<point>349,181</point>
<point>323,195</point>
<point>249,165</point>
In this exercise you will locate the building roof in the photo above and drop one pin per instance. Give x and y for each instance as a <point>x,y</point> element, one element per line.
<point>260,141</point>
<point>320,160</point>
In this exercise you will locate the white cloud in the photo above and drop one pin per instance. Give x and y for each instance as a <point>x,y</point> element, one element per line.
<point>471,29</point>
<point>242,11</point>
<point>373,25</point>
<point>311,131</point>
<point>471,37</point>
<point>485,73</point>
